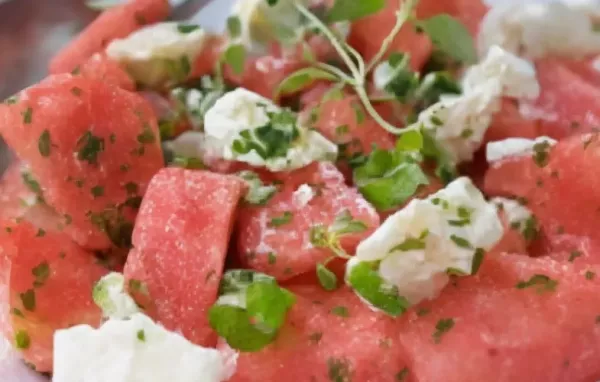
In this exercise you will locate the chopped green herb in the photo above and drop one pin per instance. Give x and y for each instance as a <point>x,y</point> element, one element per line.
<point>76,91</point>
<point>423,312</point>
<point>344,224</point>
<point>589,275</point>
<point>442,327</point>
<point>272,258</point>
<point>22,340</point>
<point>27,115</point>
<point>28,300</point>
<point>234,27</point>
<point>89,147</point>
<point>541,153</point>
<point>190,163</point>
<point>477,260</point>
<point>187,28</point>
<point>541,283</point>
<point>284,219</point>
<point>327,278</point>
<point>451,37</point>
<point>40,233</point>
<point>141,335</point>
<point>97,191</point>
<point>574,255</point>
<point>31,183</point>
<point>402,375</point>
<point>17,312</point>
<point>315,338</point>
<point>340,311</point>
<point>147,135</point>
<point>131,188</point>
<point>461,242</point>
<point>41,273</point>
<point>45,144</point>
<point>338,370</point>
<point>258,193</point>
<point>411,243</point>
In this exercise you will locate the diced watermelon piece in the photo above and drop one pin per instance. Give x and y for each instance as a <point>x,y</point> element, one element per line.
<point>117,22</point>
<point>510,123</point>
<point>263,75</point>
<point>563,194</point>
<point>283,249</point>
<point>92,147</point>
<point>587,68</point>
<point>568,103</point>
<point>367,34</point>
<point>469,12</point>
<point>512,241</point>
<point>328,336</point>
<point>181,238</point>
<point>206,62</point>
<point>100,67</point>
<point>484,328</point>
<point>49,281</point>
<point>345,122</point>
<point>18,200</point>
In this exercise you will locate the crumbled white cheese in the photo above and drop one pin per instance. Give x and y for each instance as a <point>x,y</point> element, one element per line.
<point>537,29</point>
<point>110,295</point>
<point>134,350</point>
<point>158,54</point>
<point>420,244</point>
<point>237,118</point>
<point>303,195</point>
<point>513,147</point>
<point>515,212</point>
<point>459,122</point>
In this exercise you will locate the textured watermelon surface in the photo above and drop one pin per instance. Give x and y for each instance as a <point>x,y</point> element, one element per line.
<point>92,147</point>
<point>285,250</point>
<point>181,239</point>
<point>47,282</point>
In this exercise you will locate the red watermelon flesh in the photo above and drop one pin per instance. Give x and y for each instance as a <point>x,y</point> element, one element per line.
<point>503,333</point>
<point>100,67</point>
<point>284,250</point>
<point>328,336</point>
<point>117,22</point>
<point>49,281</point>
<point>510,123</point>
<point>568,103</point>
<point>367,34</point>
<point>92,147</point>
<point>563,194</point>
<point>587,68</point>
<point>181,238</point>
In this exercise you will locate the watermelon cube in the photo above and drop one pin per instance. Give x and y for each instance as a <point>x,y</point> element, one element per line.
<point>92,147</point>
<point>275,238</point>
<point>117,22</point>
<point>328,336</point>
<point>180,239</point>
<point>48,283</point>
<point>568,103</point>
<point>519,319</point>
<point>100,67</point>
<point>561,191</point>
<point>510,123</point>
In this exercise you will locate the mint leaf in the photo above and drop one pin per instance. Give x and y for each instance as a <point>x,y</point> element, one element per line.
<point>350,10</point>
<point>388,178</point>
<point>451,37</point>
<point>345,224</point>
<point>258,194</point>
<point>541,283</point>
<point>267,304</point>
<point>410,141</point>
<point>327,279</point>
<point>301,79</point>
<point>233,324</point>
<point>369,285</point>
<point>235,56</point>
<point>238,280</point>
<point>187,28</point>
<point>234,27</point>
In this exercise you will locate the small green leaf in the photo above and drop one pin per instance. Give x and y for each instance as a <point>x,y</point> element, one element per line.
<point>345,224</point>
<point>369,285</point>
<point>451,37</point>
<point>410,141</point>
<point>237,280</point>
<point>187,28</point>
<point>350,10</point>
<point>97,191</point>
<point>410,244</point>
<point>461,242</point>
<point>234,27</point>
<point>339,370</point>
<point>258,193</point>
<point>235,56</point>
<point>301,79</point>
<point>267,304</point>
<point>89,147</point>
<point>45,144</point>
<point>327,278</point>
<point>477,260</point>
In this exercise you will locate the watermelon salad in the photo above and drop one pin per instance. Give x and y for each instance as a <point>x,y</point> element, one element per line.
<point>329,190</point>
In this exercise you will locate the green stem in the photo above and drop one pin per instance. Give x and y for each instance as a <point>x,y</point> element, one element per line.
<point>401,17</point>
<point>332,38</point>
<point>336,71</point>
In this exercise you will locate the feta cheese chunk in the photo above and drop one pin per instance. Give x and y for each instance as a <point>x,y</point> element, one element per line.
<point>262,23</point>
<point>419,245</point>
<point>159,54</point>
<point>110,295</point>
<point>134,350</point>
<point>537,29</point>
<point>246,127</point>
<point>514,147</point>
<point>459,123</point>
<point>517,214</point>
<point>303,195</point>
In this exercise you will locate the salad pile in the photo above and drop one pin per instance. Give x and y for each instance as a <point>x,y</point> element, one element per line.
<point>329,190</point>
